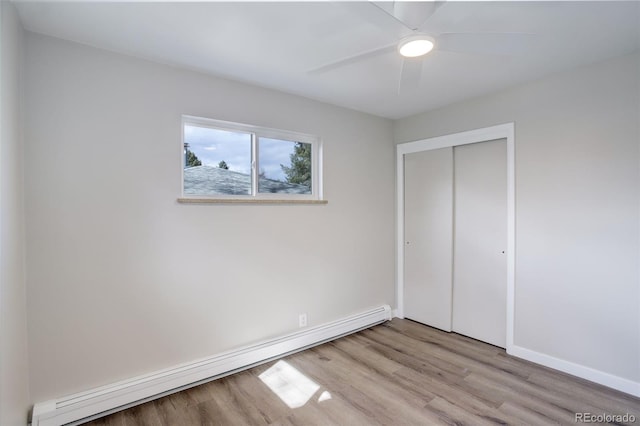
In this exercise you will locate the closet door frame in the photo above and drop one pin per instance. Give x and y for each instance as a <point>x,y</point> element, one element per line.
<point>501,131</point>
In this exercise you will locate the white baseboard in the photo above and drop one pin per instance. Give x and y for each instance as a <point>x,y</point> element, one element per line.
<point>107,399</point>
<point>606,379</point>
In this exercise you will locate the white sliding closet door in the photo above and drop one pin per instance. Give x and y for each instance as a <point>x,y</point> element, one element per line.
<point>480,241</point>
<point>428,194</point>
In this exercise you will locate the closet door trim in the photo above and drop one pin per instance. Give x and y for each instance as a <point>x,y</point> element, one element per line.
<point>501,131</point>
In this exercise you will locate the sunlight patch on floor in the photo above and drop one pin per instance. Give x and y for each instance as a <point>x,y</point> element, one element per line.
<point>324,396</point>
<point>292,387</point>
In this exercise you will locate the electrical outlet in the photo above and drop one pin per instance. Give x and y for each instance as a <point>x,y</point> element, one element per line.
<point>302,320</point>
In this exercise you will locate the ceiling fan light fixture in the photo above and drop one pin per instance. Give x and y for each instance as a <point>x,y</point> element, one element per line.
<point>415,46</point>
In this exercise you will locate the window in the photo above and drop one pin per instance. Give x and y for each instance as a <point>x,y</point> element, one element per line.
<point>231,160</point>
<point>285,166</point>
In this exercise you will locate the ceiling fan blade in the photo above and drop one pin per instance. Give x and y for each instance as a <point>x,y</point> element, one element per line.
<point>411,14</point>
<point>351,59</point>
<point>506,44</point>
<point>415,13</point>
<point>410,75</point>
<point>376,16</point>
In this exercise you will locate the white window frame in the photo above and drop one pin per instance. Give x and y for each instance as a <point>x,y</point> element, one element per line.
<point>256,133</point>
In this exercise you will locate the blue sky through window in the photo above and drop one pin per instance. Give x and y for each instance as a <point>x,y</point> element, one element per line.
<point>212,146</point>
<point>274,152</point>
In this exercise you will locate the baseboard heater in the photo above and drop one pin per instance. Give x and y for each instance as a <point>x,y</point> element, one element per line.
<point>104,400</point>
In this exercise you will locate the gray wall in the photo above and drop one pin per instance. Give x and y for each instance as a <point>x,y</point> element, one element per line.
<point>122,279</point>
<point>14,396</point>
<point>577,217</point>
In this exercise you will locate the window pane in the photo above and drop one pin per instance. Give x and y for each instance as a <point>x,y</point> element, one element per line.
<point>285,166</point>
<point>216,161</point>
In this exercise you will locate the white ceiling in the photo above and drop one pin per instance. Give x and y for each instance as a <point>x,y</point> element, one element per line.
<point>275,45</point>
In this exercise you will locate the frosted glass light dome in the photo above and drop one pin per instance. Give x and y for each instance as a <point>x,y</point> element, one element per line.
<point>415,46</point>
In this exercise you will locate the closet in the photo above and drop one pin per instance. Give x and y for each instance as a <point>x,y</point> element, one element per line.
<point>455,229</point>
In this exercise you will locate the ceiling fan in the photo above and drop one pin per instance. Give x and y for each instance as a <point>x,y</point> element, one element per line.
<point>411,18</point>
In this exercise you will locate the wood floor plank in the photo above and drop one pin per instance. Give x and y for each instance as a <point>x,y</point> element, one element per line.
<point>142,415</point>
<point>571,401</point>
<point>548,410</point>
<point>457,415</point>
<point>359,348</point>
<point>599,397</point>
<point>268,405</point>
<point>171,414</point>
<point>116,419</point>
<point>452,341</point>
<point>459,356</point>
<point>397,373</point>
<point>480,404</point>
<point>419,361</point>
<point>364,379</point>
<point>527,415</point>
<point>237,404</point>
<point>370,392</point>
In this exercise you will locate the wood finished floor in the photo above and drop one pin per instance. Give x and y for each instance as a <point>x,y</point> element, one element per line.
<point>397,373</point>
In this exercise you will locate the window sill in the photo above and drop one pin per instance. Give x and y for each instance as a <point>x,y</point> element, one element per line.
<point>247,201</point>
